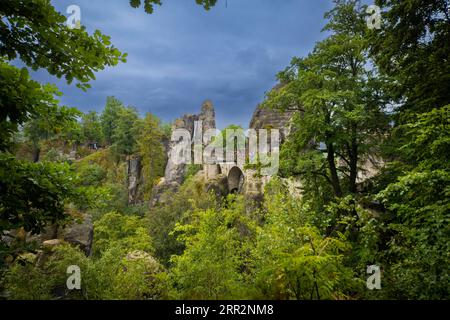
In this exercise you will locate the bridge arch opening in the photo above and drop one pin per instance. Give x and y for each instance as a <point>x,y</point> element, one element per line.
<point>235,180</point>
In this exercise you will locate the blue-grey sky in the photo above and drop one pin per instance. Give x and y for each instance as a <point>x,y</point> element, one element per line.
<point>181,54</point>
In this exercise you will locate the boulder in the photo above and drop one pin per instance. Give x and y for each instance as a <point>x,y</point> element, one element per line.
<point>219,185</point>
<point>161,191</point>
<point>50,244</point>
<point>151,263</point>
<point>80,233</point>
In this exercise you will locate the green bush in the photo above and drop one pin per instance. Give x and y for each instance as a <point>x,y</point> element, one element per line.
<point>213,263</point>
<point>92,174</point>
<point>177,207</point>
<point>123,267</point>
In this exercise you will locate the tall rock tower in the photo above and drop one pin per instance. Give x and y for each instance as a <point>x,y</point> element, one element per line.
<point>208,116</point>
<point>174,173</point>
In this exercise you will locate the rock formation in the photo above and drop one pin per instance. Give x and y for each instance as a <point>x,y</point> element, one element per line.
<point>79,232</point>
<point>134,178</point>
<point>174,173</point>
<point>223,178</point>
<point>265,118</point>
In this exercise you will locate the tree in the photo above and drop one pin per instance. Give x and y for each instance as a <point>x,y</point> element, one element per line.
<point>412,48</point>
<point>342,116</point>
<point>124,134</point>
<point>151,150</point>
<point>37,34</point>
<point>21,99</point>
<point>418,207</point>
<point>51,122</point>
<point>109,118</point>
<point>412,51</point>
<point>176,207</point>
<point>149,4</point>
<point>126,232</point>
<point>91,127</point>
<point>34,195</point>
<point>291,258</point>
<point>216,247</point>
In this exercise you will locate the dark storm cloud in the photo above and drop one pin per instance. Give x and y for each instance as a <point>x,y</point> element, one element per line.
<point>182,55</point>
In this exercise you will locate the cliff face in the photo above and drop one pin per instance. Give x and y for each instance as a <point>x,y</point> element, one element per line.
<point>174,173</point>
<point>264,118</point>
<point>135,178</point>
<point>208,116</point>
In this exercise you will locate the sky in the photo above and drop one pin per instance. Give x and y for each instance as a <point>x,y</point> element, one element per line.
<point>181,54</point>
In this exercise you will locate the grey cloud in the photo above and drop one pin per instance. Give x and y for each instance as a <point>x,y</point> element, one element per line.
<point>182,55</point>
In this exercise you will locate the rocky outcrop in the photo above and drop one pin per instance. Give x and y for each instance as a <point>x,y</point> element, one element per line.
<point>218,185</point>
<point>174,172</point>
<point>208,116</point>
<point>161,192</point>
<point>265,118</point>
<point>79,232</point>
<point>134,179</point>
<point>221,178</point>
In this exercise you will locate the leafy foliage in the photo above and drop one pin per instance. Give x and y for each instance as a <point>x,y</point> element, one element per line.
<point>51,122</point>
<point>412,48</point>
<point>197,245</point>
<point>37,34</point>
<point>124,135</point>
<point>419,204</point>
<point>34,194</point>
<point>151,150</point>
<point>91,127</point>
<point>176,208</point>
<point>109,118</point>
<point>149,4</point>
<point>292,260</point>
<point>21,99</point>
<point>124,232</point>
<point>114,276</point>
<point>341,103</point>
<point>216,246</point>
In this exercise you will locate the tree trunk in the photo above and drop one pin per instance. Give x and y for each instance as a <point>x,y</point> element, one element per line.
<point>353,172</point>
<point>36,154</point>
<point>333,170</point>
<point>353,154</point>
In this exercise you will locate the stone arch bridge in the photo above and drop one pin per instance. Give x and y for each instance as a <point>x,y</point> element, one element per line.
<point>236,178</point>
